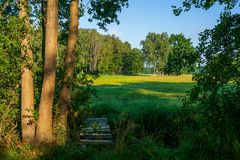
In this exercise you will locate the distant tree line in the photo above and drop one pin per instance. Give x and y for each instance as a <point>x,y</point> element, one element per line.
<point>160,53</point>
<point>166,54</point>
<point>107,54</point>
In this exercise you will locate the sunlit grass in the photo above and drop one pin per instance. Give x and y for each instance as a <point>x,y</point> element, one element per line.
<point>159,94</point>
<point>120,79</point>
<point>129,93</point>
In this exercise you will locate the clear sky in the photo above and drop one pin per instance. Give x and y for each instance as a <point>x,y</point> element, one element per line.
<point>143,16</point>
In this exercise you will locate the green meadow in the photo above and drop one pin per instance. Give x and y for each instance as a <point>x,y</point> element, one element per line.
<point>129,93</point>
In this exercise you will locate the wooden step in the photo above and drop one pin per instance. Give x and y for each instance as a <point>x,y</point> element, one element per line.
<point>96,131</point>
<point>96,119</point>
<point>97,136</point>
<point>92,123</point>
<point>90,141</point>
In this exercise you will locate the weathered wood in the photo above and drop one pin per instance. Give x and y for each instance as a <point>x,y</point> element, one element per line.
<point>97,128</point>
<point>97,119</point>
<point>91,123</point>
<point>96,131</point>
<point>87,141</point>
<point>96,136</point>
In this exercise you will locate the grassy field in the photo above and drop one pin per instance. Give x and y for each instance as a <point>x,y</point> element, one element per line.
<point>130,93</point>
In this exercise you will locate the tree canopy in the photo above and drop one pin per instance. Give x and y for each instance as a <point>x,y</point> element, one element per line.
<point>107,54</point>
<point>156,49</point>
<point>172,54</point>
<point>219,52</point>
<point>204,4</point>
<point>182,58</point>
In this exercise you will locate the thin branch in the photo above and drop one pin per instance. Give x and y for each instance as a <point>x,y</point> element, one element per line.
<point>3,8</point>
<point>87,4</point>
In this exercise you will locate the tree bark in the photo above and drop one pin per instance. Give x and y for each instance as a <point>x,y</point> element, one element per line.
<point>64,100</point>
<point>44,128</point>
<point>93,51</point>
<point>27,93</point>
<point>44,12</point>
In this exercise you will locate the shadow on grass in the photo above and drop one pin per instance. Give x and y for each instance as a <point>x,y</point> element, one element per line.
<point>148,94</point>
<point>166,87</point>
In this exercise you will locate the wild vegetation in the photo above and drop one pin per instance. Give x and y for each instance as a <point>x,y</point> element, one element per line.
<point>53,76</point>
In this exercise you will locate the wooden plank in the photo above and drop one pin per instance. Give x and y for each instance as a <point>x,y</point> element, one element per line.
<point>100,123</point>
<point>96,119</point>
<point>89,141</point>
<point>96,127</point>
<point>96,131</point>
<point>96,136</point>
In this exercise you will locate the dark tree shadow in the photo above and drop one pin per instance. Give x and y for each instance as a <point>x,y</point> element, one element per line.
<point>134,92</point>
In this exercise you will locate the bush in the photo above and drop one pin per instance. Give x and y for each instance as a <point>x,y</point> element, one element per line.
<point>218,132</point>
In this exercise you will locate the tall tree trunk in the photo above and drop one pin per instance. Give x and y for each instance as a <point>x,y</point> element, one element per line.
<point>44,13</point>
<point>44,128</point>
<point>64,100</point>
<point>27,94</point>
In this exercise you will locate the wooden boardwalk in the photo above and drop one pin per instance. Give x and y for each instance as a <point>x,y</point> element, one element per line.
<point>96,131</point>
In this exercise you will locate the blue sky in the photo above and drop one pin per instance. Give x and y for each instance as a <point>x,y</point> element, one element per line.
<point>143,16</point>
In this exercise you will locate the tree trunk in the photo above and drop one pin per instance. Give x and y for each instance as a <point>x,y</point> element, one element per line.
<point>27,94</point>
<point>44,128</point>
<point>93,52</point>
<point>64,100</point>
<point>44,13</point>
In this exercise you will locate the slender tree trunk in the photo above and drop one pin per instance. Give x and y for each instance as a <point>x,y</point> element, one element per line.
<point>44,128</point>
<point>44,11</point>
<point>27,94</point>
<point>64,100</point>
<point>93,52</point>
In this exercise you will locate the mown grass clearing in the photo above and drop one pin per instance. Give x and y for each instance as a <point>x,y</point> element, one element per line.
<point>128,93</point>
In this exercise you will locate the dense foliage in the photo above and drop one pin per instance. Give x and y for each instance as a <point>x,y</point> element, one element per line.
<point>216,94</point>
<point>156,49</point>
<point>133,62</point>
<point>182,58</point>
<point>172,54</point>
<point>219,49</point>
<point>105,11</point>
<point>11,30</point>
<point>107,54</point>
